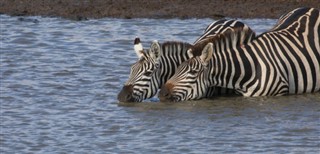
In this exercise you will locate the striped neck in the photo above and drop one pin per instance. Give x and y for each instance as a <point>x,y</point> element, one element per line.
<point>229,68</point>
<point>173,54</point>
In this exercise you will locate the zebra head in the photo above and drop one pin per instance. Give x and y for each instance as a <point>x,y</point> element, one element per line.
<point>138,87</point>
<point>191,80</point>
<point>196,76</point>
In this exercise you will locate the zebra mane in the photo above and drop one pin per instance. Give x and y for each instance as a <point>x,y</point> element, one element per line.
<point>168,48</point>
<point>237,36</point>
<point>171,46</point>
<point>173,43</point>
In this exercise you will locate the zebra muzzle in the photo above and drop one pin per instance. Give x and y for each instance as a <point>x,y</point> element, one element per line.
<point>165,92</point>
<point>125,94</point>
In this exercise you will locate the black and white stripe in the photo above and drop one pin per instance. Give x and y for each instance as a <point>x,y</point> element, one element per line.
<point>284,60</point>
<point>157,64</point>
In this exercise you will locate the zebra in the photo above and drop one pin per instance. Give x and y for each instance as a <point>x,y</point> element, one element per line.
<point>282,61</point>
<point>157,64</point>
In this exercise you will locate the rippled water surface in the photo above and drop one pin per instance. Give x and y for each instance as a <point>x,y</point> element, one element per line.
<point>60,78</point>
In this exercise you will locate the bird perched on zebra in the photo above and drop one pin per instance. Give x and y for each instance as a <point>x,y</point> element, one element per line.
<point>157,64</point>
<point>284,60</point>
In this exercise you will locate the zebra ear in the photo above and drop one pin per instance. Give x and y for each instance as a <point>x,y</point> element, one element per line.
<point>138,48</point>
<point>155,49</point>
<point>206,54</point>
<point>190,53</point>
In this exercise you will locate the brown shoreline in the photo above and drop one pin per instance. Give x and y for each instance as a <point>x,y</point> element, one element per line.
<point>83,9</point>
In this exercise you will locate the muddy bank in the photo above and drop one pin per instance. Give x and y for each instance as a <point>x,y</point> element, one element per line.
<point>84,9</point>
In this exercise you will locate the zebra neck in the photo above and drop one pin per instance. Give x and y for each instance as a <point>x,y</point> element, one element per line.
<point>232,68</point>
<point>174,53</point>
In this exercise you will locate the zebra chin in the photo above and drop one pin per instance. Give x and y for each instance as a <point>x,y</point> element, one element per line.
<point>165,94</point>
<point>168,98</point>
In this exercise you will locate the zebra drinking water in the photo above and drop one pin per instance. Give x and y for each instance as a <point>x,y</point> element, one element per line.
<point>285,60</point>
<point>157,64</point>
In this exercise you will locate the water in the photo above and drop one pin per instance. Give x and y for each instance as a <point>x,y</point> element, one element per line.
<point>60,78</point>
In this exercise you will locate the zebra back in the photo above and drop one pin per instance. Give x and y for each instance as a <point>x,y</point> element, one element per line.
<point>223,26</point>
<point>287,19</point>
<point>237,34</point>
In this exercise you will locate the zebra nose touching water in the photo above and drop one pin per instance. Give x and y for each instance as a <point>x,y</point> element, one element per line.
<point>284,60</point>
<point>126,94</point>
<point>157,64</point>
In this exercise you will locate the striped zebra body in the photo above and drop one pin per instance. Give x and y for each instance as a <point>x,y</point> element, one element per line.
<point>284,60</point>
<point>157,64</point>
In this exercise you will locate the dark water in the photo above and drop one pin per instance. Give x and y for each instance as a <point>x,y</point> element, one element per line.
<point>60,78</point>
